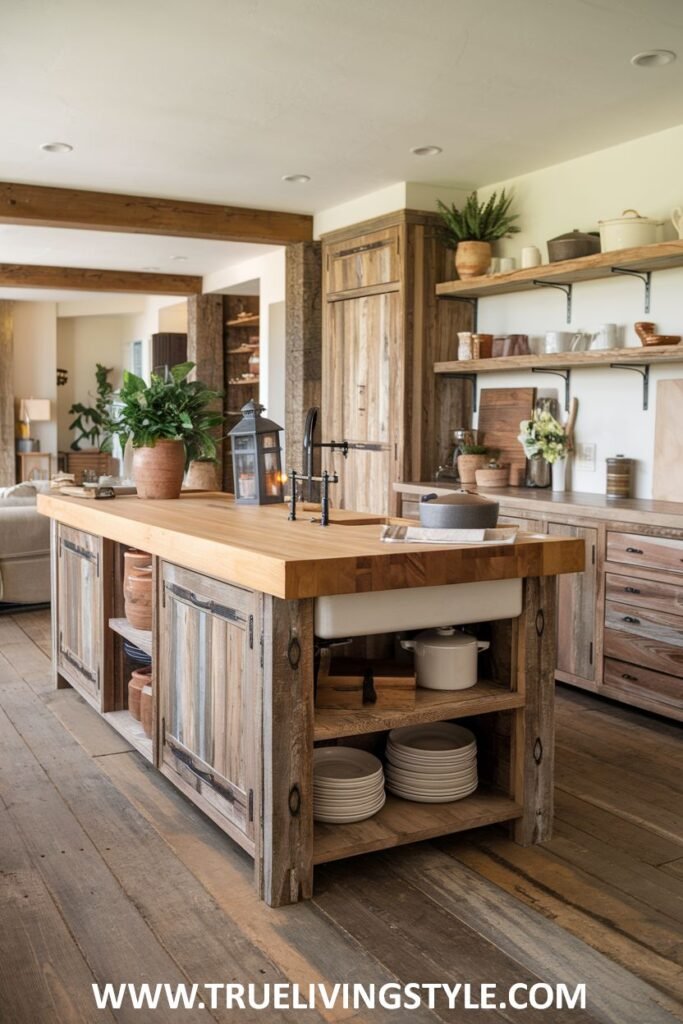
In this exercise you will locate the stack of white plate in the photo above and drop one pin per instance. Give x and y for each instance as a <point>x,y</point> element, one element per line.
<point>431,764</point>
<point>348,784</point>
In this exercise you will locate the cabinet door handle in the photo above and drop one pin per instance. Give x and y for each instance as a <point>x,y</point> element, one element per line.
<point>629,678</point>
<point>634,551</point>
<point>631,590</point>
<point>630,618</point>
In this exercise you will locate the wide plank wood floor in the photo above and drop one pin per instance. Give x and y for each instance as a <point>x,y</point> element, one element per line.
<point>108,874</point>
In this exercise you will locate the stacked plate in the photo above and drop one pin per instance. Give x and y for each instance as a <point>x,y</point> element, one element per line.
<point>431,764</point>
<point>348,784</point>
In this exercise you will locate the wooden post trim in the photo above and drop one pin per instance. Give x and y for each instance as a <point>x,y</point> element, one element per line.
<point>287,847</point>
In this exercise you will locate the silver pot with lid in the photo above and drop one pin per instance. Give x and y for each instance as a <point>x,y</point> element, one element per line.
<point>573,245</point>
<point>460,510</point>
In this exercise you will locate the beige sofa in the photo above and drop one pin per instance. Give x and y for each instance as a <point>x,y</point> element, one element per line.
<point>24,547</point>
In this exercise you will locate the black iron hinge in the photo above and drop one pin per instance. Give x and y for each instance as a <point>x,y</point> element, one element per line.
<point>262,646</point>
<point>251,805</point>
<point>593,555</point>
<point>251,632</point>
<point>590,653</point>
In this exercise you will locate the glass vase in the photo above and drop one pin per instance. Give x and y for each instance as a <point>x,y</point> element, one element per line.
<point>537,472</point>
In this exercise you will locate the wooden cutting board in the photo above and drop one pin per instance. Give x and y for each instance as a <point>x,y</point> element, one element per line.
<point>501,410</point>
<point>667,481</point>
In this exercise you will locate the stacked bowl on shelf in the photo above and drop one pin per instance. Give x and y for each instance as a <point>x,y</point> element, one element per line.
<point>435,763</point>
<point>348,785</point>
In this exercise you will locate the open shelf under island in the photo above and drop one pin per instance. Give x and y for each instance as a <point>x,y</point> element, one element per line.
<point>233,647</point>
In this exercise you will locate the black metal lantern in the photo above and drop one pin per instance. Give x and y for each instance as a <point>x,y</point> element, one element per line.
<point>256,458</point>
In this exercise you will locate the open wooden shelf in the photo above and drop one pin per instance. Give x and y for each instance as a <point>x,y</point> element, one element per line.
<point>131,730</point>
<point>430,706</point>
<point>645,258</point>
<point>403,821</point>
<point>566,360</point>
<point>142,638</point>
<point>244,321</point>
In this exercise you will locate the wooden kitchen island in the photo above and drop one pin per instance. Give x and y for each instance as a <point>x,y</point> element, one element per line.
<point>233,650</point>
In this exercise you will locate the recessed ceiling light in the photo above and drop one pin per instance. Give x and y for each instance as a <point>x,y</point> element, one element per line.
<point>653,58</point>
<point>57,147</point>
<point>426,150</point>
<point>179,259</point>
<point>148,269</point>
<point>297,179</point>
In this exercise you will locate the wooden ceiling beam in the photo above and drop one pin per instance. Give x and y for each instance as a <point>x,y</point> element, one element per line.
<point>23,275</point>
<point>41,206</point>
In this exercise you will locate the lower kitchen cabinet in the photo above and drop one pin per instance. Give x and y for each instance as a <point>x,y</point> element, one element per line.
<point>78,629</point>
<point>577,595</point>
<point>209,708</point>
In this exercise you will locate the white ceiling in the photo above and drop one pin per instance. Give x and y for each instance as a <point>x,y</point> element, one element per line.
<point>218,99</point>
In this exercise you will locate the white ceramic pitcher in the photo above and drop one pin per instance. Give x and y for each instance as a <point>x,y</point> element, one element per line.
<point>677,220</point>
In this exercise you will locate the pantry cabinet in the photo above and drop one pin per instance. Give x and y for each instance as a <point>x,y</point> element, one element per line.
<point>78,640</point>
<point>209,684</point>
<point>383,329</point>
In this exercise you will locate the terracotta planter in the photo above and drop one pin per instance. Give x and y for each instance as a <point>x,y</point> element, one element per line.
<point>146,708</point>
<point>158,470</point>
<point>472,259</point>
<point>202,476</point>
<point>141,677</point>
<point>468,466</point>
<point>137,593</point>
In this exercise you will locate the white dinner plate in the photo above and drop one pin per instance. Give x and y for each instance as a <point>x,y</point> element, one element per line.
<point>432,787</point>
<point>437,738</point>
<point>345,803</point>
<point>429,765</point>
<point>344,763</point>
<point>433,798</point>
<point>450,778</point>
<point>340,819</point>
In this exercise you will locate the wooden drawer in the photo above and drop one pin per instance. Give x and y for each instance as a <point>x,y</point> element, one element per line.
<point>643,687</point>
<point>644,651</point>
<point>363,262</point>
<point>637,549</point>
<point>650,594</point>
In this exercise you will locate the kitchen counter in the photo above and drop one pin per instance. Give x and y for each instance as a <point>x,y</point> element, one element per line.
<point>234,596</point>
<point>257,547</point>
<point>666,514</point>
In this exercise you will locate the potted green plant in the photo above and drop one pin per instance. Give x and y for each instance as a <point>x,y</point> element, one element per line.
<point>94,427</point>
<point>169,423</point>
<point>472,458</point>
<point>472,229</point>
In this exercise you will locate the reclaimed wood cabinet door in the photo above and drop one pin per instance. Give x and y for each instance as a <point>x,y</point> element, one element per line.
<point>364,392</point>
<point>209,704</point>
<point>364,262</point>
<point>79,611</point>
<point>576,609</point>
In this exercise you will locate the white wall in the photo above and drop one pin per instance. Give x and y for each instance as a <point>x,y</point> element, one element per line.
<point>82,342</point>
<point>35,363</point>
<point>173,318</point>
<point>403,195</point>
<point>643,174</point>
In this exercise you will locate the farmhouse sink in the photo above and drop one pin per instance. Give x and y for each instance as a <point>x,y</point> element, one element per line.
<point>392,611</point>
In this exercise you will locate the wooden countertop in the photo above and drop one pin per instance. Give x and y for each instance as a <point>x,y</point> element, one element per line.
<point>256,546</point>
<point>668,514</point>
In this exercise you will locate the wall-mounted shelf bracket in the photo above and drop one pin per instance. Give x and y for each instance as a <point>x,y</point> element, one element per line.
<point>564,374</point>
<point>644,275</point>
<point>644,372</point>
<point>472,378</point>
<point>566,288</point>
<point>471,301</point>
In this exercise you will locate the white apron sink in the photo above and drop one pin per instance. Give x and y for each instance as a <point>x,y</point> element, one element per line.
<point>393,611</point>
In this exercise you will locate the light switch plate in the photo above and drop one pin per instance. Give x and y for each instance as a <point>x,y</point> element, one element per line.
<point>585,456</point>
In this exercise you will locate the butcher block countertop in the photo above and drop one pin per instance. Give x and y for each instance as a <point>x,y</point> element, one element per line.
<point>258,548</point>
<point>666,514</point>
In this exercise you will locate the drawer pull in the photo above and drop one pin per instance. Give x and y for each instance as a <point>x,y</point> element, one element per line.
<point>631,618</point>
<point>631,590</point>
<point>629,678</point>
<point>634,551</point>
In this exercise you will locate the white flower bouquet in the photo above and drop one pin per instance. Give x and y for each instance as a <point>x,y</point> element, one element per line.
<point>543,435</point>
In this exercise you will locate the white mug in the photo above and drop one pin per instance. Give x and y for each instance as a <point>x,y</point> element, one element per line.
<point>494,265</point>
<point>606,337</point>
<point>558,341</point>
<point>507,264</point>
<point>531,256</point>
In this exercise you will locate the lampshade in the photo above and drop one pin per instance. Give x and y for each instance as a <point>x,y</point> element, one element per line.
<point>34,409</point>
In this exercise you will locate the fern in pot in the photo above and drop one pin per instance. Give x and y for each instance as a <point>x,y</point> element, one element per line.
<point>472,229</point>
<point>169,423</point>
